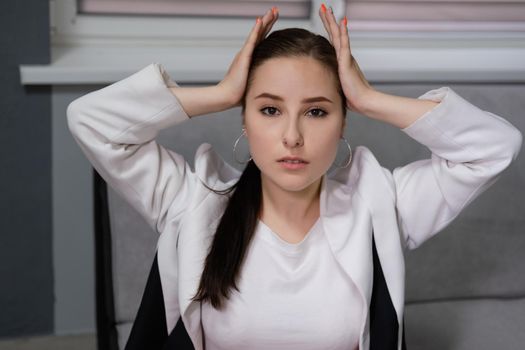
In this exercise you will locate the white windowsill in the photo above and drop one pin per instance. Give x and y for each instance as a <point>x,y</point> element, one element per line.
<point>90,49</point>
<point>382,59</point>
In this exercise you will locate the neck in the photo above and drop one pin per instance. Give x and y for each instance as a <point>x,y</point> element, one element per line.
<point>294,207</point>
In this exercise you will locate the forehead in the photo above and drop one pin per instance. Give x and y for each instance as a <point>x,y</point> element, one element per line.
<point>292,77</point>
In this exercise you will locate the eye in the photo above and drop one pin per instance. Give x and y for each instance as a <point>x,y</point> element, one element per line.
<point>319,113</point>
<point>270,109</point>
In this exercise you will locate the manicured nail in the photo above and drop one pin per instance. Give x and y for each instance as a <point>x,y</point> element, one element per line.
<point>258,19</point>
<point>274,10</point>
<point>345,20</point>
<point>323,8</point>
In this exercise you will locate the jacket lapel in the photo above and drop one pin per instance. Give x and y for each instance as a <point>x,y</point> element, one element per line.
<point>196,235</point>
<point>352,251</point>
<point>195,238</point>
<point>364,181</point>
<point>380,198</point>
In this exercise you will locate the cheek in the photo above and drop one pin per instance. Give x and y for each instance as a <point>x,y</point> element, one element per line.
<point>264,147</point>
<point>258,142</point>
<point>325,150</point>
<point>259,139</point>
<point>325,138</point>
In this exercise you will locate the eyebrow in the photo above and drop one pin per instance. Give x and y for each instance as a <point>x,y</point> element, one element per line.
<point>306,100</point>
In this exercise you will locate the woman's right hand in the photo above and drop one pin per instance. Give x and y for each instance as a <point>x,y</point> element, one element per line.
<point>235,80</point>
<point>228,92</point>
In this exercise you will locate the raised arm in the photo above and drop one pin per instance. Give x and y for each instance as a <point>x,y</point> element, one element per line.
<point>116,128</point>
<point>470,147</point>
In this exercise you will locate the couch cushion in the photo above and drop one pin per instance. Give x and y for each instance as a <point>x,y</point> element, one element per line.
<point>473,257</point>
<point>134,246</point>
<point>481,324</point>
<point>123,330</point>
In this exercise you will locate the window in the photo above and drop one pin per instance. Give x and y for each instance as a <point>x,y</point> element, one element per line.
<point>86,22</point>
<point>364,15</point>
<point>176,22</point>
<point>437,15</point>
<point>214,8</point>
<point>474,40</point>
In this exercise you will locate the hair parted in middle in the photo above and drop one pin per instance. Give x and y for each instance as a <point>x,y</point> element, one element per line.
<point>295,42</point>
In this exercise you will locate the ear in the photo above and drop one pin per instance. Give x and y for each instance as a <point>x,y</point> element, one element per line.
<point>243,122</point>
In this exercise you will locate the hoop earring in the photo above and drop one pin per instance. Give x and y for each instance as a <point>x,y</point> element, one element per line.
<point>235,147</point>
<point>349,155</point>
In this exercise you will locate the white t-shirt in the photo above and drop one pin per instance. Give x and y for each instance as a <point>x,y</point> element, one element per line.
<point>292,296</point>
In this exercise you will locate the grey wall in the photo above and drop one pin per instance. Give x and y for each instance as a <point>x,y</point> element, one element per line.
<point>73,237</point>
<point>26,271</point>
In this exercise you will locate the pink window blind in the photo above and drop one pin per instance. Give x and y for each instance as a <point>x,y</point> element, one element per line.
<point>455,10</point>
<point>436,15</point>
<point>381,15</point>
<point>232,8</point>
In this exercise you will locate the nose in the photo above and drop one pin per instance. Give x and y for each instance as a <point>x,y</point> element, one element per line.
<point>292,136</point>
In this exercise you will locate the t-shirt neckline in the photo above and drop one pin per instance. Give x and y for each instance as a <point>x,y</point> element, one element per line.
<point>292,248</point>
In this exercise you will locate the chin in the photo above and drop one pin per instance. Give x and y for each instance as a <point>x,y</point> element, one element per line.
<point>293,182</point>
<point>296,187</point>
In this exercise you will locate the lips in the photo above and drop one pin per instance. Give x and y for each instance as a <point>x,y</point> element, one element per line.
<point>292,160</point>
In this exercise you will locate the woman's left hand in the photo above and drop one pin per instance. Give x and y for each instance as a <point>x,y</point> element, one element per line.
<point>354,84</point>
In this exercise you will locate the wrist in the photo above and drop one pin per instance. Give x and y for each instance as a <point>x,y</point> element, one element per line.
<point>366,100</point>
<point>226,99</point>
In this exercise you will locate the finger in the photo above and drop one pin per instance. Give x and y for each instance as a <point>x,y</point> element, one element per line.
<point>334,28</point>
<point>265,21</point>
<point>322,14</point>
<point>344,49</point>
<point>275,16</point>
<point>251,40</point>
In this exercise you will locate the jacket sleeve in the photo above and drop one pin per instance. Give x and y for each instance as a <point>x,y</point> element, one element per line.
<point>469,150</point>
<point>116,127</point>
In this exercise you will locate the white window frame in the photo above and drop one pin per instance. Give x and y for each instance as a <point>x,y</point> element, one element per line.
<point>96,49</point>
<point>70,28</point>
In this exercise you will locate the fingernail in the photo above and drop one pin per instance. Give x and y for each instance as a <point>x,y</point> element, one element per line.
<point>345,20</point>
<point>323,7</point>
<point>274,10</point>
<point>258,19</point>
<point>331,9</point>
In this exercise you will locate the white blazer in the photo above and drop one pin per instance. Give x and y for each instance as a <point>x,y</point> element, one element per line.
<point>116,128</point>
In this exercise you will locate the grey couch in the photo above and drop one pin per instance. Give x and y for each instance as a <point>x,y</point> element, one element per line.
<point>465,286</point>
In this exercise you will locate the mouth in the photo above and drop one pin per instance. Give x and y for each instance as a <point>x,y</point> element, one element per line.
<point>292,163</point>
<point>292,160</point>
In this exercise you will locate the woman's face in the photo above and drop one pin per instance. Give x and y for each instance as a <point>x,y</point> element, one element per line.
<point>293,109</point>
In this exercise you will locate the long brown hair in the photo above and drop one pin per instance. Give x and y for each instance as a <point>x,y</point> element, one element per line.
<point>238,222</point>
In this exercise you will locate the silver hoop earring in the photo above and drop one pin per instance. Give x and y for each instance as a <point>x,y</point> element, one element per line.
<point>235,147</point>
<point>349,155</point>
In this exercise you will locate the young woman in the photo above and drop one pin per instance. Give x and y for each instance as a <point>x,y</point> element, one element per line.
<point>285,255</point>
